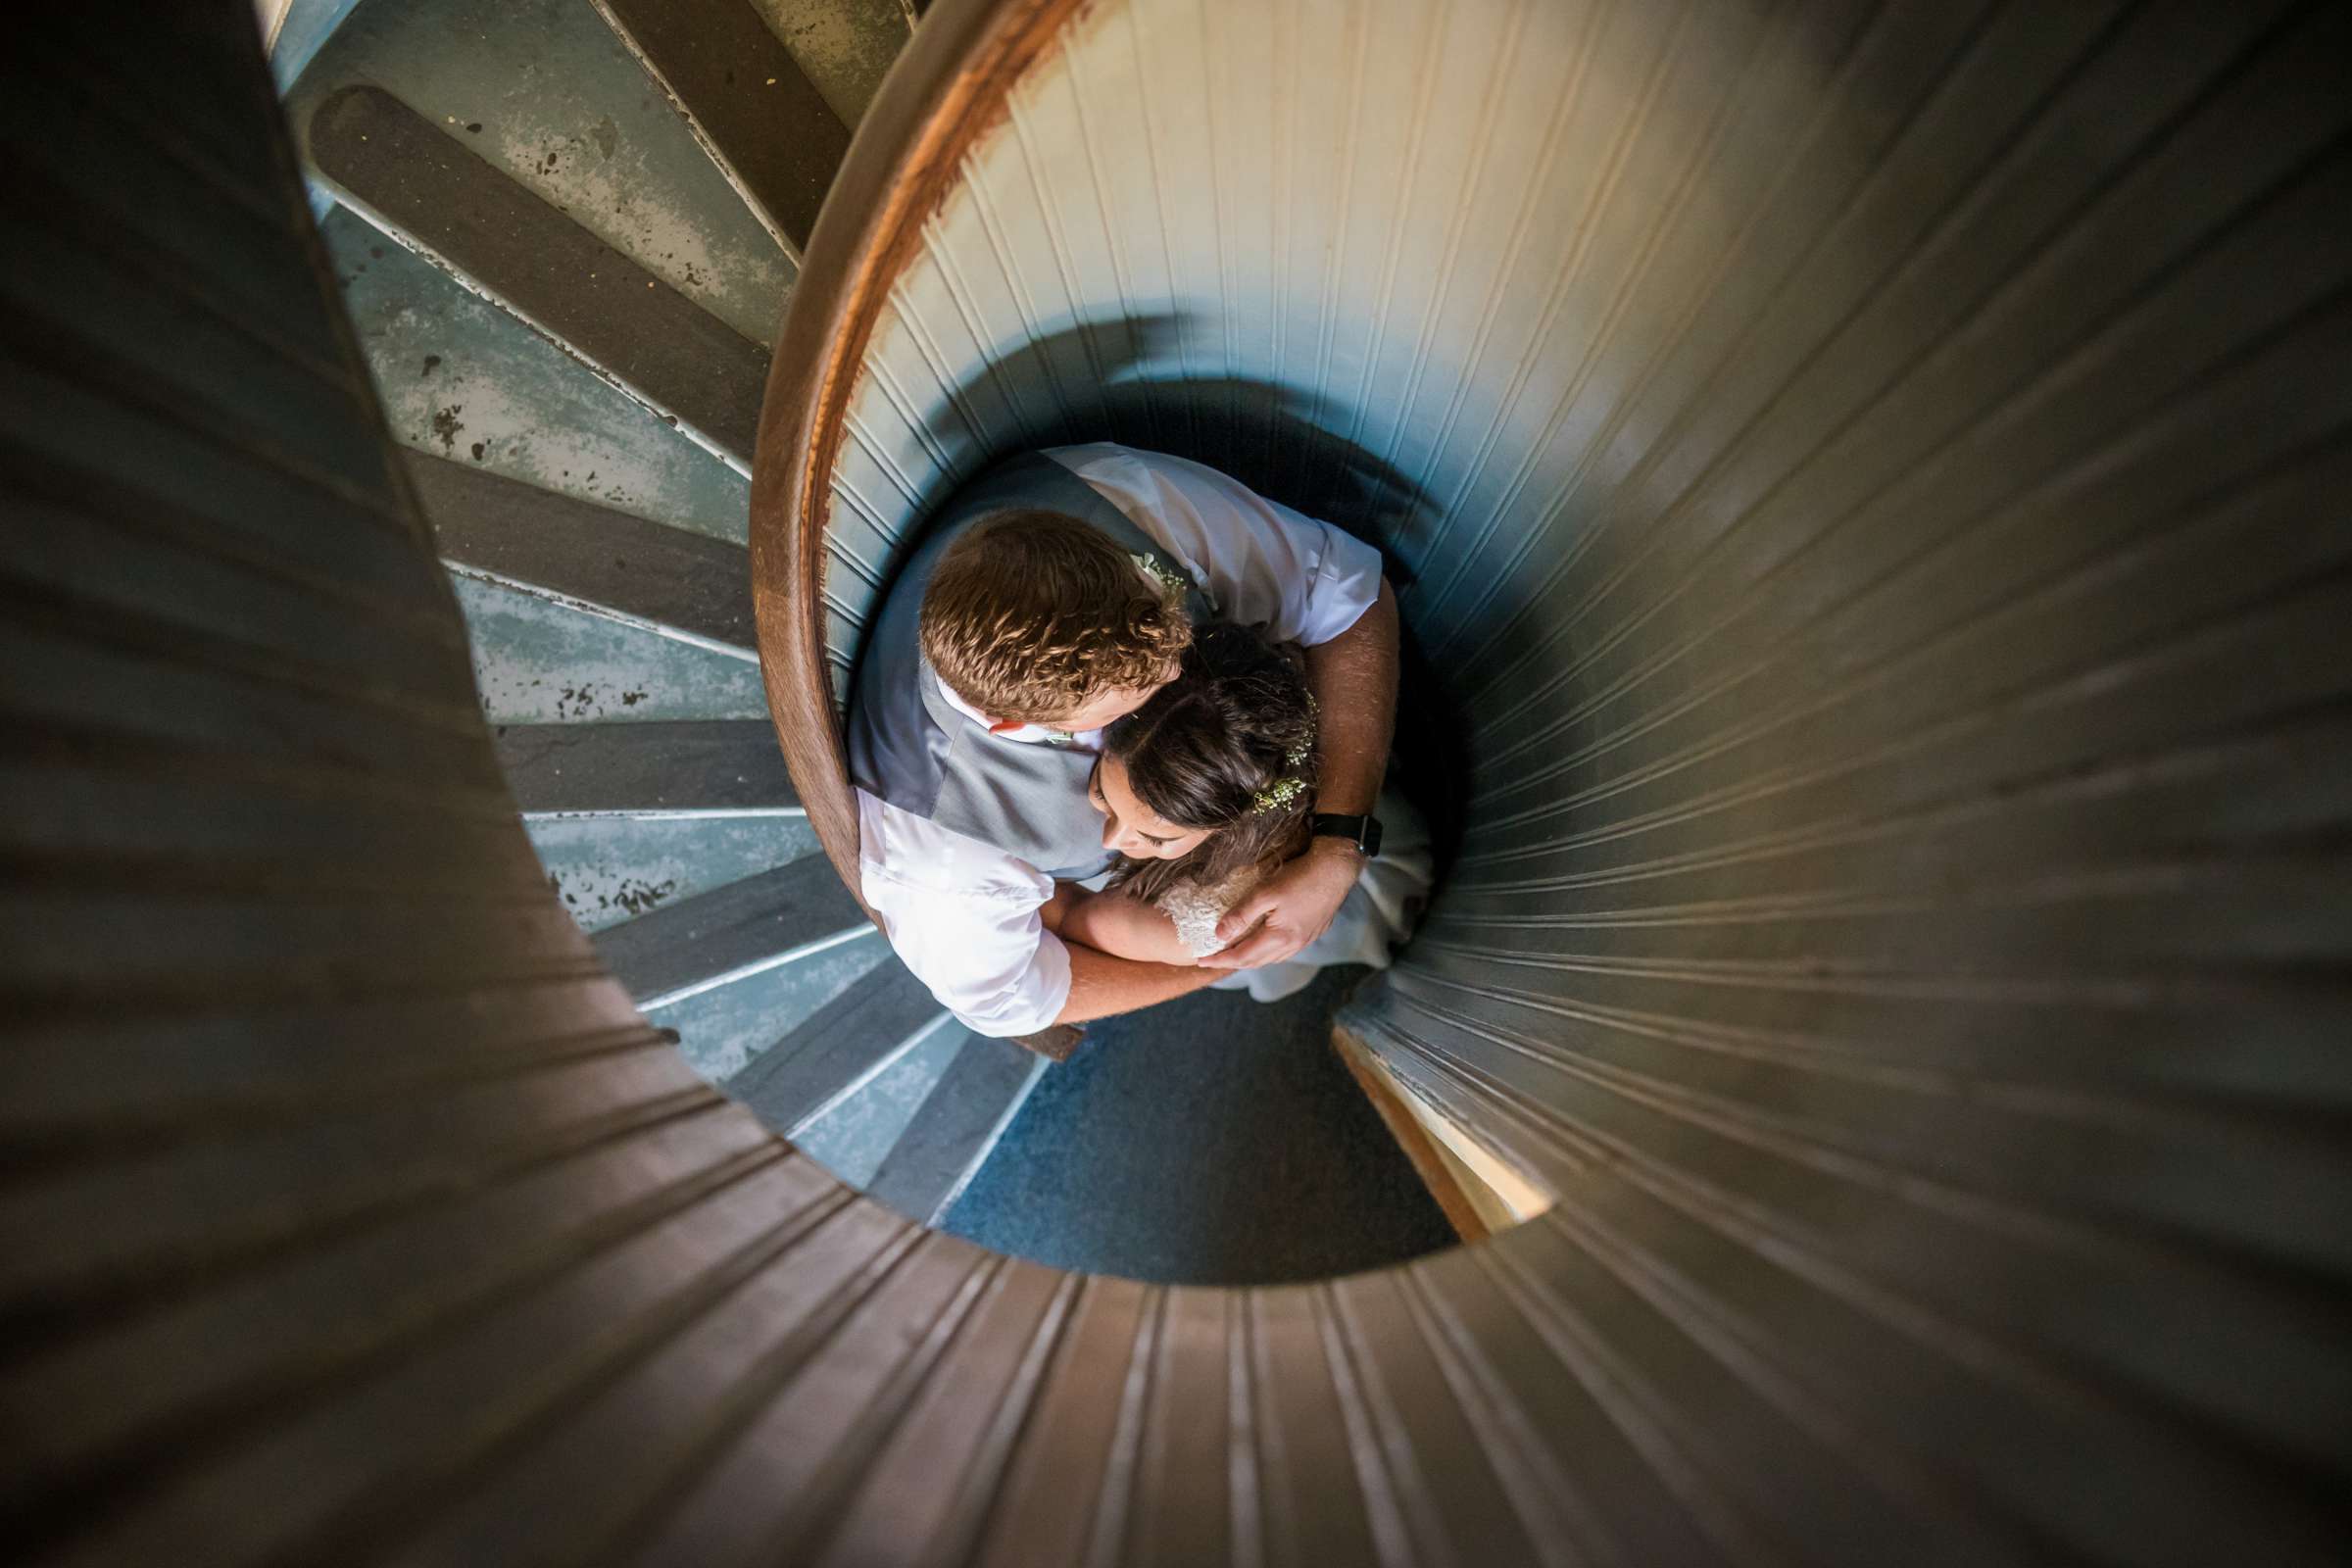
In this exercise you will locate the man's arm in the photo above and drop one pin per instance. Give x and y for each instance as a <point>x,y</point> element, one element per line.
<point>1102,984</point>
<point>1354,677</point>
<point>1122,927</point>
<point>972,923</point>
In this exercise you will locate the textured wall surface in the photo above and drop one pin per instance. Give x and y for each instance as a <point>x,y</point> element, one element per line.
<point>1872,490</point>
<point>1869,484</point>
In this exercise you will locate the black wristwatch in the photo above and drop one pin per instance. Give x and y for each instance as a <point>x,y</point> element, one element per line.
<point>1362,831</point>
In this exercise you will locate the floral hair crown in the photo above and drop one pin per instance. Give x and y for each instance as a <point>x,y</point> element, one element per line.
<point>1297,755</point>
<point>1279,794</point>
<point>1284,791</point>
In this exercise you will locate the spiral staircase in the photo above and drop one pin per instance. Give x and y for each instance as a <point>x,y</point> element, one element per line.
<point>566,235</point>
<point>1866,485</point>
<point>565,239</point>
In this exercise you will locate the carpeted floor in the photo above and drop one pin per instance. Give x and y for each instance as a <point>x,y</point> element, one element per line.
<point>1211,1140</point>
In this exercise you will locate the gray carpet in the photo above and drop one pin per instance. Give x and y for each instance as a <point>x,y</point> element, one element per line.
<point>1211,1140</point>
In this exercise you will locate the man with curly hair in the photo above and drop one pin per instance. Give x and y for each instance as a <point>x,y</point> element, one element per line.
<point>1054,595</point>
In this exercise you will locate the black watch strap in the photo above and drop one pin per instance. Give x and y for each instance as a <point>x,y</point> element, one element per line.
<point>1362,831</point>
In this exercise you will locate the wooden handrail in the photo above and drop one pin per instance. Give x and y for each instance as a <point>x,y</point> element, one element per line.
<point>946,89</point>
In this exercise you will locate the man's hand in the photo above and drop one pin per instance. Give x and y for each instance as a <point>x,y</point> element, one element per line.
<point>1290,909</point>
<point>1354,677</point>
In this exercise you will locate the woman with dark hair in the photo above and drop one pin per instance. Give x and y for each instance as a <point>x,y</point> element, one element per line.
<point>1206,789</point>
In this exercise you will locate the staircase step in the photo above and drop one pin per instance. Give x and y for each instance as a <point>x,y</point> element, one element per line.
<point>853,1137</point>
<point>635,571</point>
<point>462,379</point>
<point>762,120</point>
<point>610,868</point>
<point>543,92</point>
<point>757,923</point>
<point>838,1051</point>
<point>721,1029</point>
<point>1209,1139</point>
<point>428,190</point>
<point>538,661</point>
<point>845,47</point>
<point>729,765</point>
<point>957,1127</point>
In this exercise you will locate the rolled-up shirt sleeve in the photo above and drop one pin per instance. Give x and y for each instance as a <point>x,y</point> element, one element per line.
<point>965,917</point>
<point>1265,564</point>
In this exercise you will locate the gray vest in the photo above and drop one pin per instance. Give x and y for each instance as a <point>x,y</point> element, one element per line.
<point>910,747</point>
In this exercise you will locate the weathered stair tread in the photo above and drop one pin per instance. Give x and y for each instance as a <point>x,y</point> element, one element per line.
<point>759,117</point>
<point>730,930</point>
<point>712,764</point>
<point>543,539</point>
<point>959,1123</point>
<point>845,1042</point>
<point>657,343</point>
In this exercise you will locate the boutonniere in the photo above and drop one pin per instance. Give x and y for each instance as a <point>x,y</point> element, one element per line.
<point>1172,584</point>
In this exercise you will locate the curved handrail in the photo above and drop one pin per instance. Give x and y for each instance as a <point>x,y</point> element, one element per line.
<point>946,91</point>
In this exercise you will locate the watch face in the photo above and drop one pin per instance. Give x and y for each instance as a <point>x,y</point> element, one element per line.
<point>1370,841</point>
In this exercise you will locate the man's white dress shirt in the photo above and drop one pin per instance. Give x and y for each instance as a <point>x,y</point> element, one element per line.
<point>963,915</point>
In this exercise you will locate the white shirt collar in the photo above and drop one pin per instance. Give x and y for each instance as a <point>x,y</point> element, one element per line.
<point>1030,734</point>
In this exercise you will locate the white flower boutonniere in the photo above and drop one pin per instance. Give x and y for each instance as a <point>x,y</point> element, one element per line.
<point>1172,585</point>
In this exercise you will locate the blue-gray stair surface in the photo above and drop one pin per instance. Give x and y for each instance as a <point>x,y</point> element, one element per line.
<point>1211,1140</point>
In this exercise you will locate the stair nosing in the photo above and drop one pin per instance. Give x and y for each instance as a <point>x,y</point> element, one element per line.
<point>988,1145</point>
<point>880,1065</point>
<point>778,960</point>
<point>715,938</point>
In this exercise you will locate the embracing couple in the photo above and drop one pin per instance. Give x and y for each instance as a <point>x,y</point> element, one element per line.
<point>1119,734</point>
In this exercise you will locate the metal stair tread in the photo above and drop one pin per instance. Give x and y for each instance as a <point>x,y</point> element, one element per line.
<point>832,1052</point>
<point>734,930</point>
<point>543,92</point>
<point>957,1127</point>
<point>461,378</point>
<point>758,115</point>
<point>656,343</point>
<point>539,661</point>
<point>689,764</point>
<point>542,539</point>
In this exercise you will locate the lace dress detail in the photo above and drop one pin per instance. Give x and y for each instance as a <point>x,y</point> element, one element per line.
<point>1196,910</point>
<point>1380,911</point>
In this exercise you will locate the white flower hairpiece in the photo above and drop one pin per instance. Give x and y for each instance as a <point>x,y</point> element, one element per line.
<point>1297,755</point>
<point>1278,795</point>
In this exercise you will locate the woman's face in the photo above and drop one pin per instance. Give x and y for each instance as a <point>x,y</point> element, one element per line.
<point>1131,827</point>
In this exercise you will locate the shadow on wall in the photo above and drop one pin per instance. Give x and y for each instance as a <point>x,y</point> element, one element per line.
<point>1123,380</point>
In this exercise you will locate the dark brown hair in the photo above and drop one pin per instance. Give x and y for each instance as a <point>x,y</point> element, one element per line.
<point>1033,614</point>
<point>1204,752</point>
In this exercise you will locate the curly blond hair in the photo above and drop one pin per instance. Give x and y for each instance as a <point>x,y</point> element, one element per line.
<point>1032,614</point>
